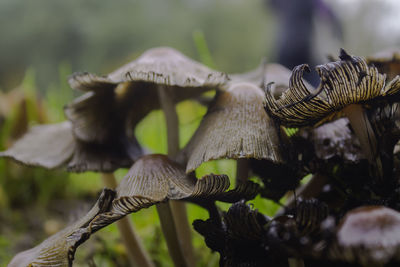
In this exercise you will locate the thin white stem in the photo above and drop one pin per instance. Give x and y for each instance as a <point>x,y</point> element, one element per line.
<point>137,255</point>
<point>177,209</point>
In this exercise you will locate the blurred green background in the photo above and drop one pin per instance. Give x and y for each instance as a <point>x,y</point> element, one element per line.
<point>44,41</point>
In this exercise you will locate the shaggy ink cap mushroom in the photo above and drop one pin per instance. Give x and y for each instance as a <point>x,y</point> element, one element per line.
<point>122,98</point>
<point>235,126</point>
<point>368,235</point>
<point>346,86</point>
<point>54,145</point>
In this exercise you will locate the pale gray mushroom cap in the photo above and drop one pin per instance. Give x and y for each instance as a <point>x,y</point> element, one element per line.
<point>122,98</point>
<point>235,126</point>
<point>368,235</point>
<point>267,73</point>
<point>54,145</point>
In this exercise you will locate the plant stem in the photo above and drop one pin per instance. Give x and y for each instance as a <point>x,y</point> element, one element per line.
<point>137,255</point>
<point>242,170</point>
<point>182,244</point>
<point>365,134</point>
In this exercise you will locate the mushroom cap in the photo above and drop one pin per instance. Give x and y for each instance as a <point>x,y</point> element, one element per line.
<point>54,145</point>
<point>347,81</point>
<point>335,139</point>
<point>122,98</point>
<point>156,177</point>
<point>235,126</point>
<point>59,249</point>
<point>49,146</point>
<point>387,61</point>
<point>264,74</point>
<point>369,235</point>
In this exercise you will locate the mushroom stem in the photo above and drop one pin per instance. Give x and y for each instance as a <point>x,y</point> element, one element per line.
<point>242,170</point>
<point>137,255</point>
<point>365,134</point>
<point>178,209</point>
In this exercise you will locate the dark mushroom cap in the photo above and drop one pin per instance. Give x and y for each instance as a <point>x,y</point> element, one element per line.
<point>122,98</point>
<point>235,126</point>
<point>368,235</point>
<point>347,81</point>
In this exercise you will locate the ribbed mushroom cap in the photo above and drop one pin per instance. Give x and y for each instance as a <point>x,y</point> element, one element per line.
<point>235,126</point>
<point>128,94</point>
<point>54,145</point>
<point>344,82</point>
<point>59,249</point>
<point>387,61</point>
<point>156,178</point>
<point>368,235</point>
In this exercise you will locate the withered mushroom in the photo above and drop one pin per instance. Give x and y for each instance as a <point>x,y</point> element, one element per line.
<point>368,235</point>
<point>346,85</point>
<point>160,77</point>
<point>237,127</point>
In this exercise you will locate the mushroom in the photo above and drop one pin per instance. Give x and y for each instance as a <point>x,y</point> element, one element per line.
<point>387,61</point>
<point>368,235</point>
<point>346,86</point>
<point>237,127</point>
<point>54,145</point>
<point>152,179</point>
<point>131,93</point>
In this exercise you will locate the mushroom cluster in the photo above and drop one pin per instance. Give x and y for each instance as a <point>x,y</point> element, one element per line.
<point>344,135</point>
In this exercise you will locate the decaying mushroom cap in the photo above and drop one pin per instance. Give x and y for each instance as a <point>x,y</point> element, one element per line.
<point>59,249</point>
<point>335,139</point>
<point>368,235</point>
<point>235,126</point>
<point>54,145</point>
<point>387,61</point>
<point>130,93</point>
<point>347,81</point>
